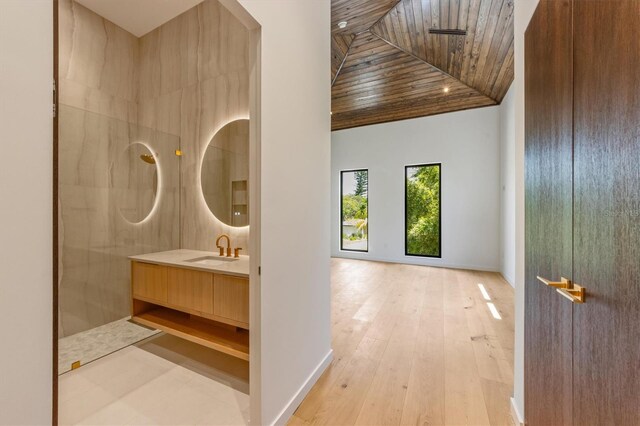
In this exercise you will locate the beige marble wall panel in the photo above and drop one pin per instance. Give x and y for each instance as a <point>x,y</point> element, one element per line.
<point>88,144</point>
<point>87,98</point>
<point>97,53</point>
<point>169,56</point>
<point>202,43</point>
<point>98,63</point>
<point>90,291</point>
<point>224,42</point>
<point>194,73</point>
<point>162,113</point>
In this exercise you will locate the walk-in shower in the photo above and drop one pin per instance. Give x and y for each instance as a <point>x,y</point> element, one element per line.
<point>118,196</point>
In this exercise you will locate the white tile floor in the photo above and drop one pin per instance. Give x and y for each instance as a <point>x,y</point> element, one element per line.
<point>161,381</point>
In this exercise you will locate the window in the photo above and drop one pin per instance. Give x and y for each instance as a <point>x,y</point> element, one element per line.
<point>354,206</point>
<point>422,210</point>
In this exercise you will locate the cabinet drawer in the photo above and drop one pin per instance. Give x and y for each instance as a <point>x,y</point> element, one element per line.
<point>231,298</point>
<point>190,289</point>
<point>149,281</point>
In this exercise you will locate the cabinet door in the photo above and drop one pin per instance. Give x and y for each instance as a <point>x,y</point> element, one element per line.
<point>231,299</point>
<point>149,281</point>
<point>190,289</point>
<point>548,213</point>
<point>606,328</point>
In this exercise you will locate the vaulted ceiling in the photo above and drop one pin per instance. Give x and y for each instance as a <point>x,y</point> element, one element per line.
<point>393,62</point>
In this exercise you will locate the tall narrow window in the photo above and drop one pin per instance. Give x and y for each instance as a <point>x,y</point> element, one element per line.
<point>422,210</point>
<point>354,210</point>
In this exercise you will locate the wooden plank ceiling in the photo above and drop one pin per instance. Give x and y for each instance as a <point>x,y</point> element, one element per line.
<point>387,66</point>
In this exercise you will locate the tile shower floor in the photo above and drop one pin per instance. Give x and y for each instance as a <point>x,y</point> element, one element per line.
<point>92,344</point>
<point>163,380</point>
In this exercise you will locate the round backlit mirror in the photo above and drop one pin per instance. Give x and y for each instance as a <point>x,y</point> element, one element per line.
<point>225,174</point>
<point>134,182</point>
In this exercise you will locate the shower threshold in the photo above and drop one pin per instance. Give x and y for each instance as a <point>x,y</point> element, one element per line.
<point>82,348</point>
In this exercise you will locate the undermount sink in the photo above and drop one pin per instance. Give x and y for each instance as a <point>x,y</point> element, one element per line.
<point>212,260</point>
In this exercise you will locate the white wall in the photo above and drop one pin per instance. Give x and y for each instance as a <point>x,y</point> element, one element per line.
<point>295,146</point>
<point>26,75</point>
<point>523,11</point>
<point>508,187</point>
<point>467,145</point>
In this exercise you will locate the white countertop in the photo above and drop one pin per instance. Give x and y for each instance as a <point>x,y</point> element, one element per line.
<point>239,267</point>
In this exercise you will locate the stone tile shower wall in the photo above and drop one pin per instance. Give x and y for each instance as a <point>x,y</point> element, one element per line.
<point>95,236</point>
<point>169,89</point>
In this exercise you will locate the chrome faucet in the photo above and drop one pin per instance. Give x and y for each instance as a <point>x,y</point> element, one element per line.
<point>222,248</point>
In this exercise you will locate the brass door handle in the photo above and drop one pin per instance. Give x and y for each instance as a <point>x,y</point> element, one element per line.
<point>566,288</point>
<point>576,293</point>
<point>563,283</point>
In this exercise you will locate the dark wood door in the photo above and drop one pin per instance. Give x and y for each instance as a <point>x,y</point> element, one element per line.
<point>606,334</point>
<point>548,213</point>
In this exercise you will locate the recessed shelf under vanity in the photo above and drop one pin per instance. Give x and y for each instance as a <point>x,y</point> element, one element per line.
<point>204,302</point>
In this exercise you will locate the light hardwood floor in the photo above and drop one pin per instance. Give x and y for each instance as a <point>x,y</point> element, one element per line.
<point>415,345</point>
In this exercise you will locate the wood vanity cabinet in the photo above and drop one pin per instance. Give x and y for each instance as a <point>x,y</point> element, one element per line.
<point>208,308</point>
<point>231,300</point>
<point>149,282</point>
<point>190,289</point>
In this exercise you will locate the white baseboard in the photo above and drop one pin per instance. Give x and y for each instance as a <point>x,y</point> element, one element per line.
<point>414,260</point>
<point>508,280</point>
<point>515,414</point>
<point>296,400</point>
